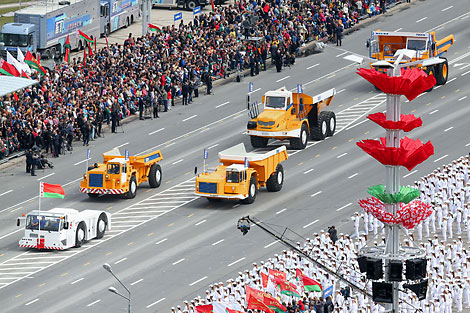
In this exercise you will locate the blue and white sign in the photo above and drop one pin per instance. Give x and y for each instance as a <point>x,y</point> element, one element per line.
<point>299,88</point>
<point>88,153</point>
<point>247,163</point>
<point>178,16</point>
<point>196,10</point>
<point>250,87</point>
<point>206,154</point>
<point>126,155</point>
<point>328,292</point>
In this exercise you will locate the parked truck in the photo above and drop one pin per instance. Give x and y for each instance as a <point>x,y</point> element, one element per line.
<point>44,27</point>
<point>292,116</point>
<point>241,174</point>
<point>383,47</point>
<point>185,4</point>
<point>119,174</point>
<point>60,229</point>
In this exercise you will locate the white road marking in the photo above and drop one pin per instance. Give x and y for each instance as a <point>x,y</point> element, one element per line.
<point>15,231</point>
<point>280,80</point>
<point>341,91</point>
<point>319,78</point>
<point>272,243</point>
<point>280,211</point>
<point>468,144</point>
<point>308,171</point>
<point>410,173</point>
<point>357,124</point>
<point>121,145</point>
<point>421,19</point>
<point>312,66</point>
<point>188,118</point>
<point>45,176</point>
<point>344,206</point>
<point>397,30</point>
<point>449,81</point>
<point>236,205</point>
<point>82,161</point>
<point>121,260</point>
<point>152,304</point>
<point>176,162</point>
<point>310,223</point>
<point>316,193</point>
<point>163,240</point>
<point>94,302</point>
<point>444,156</point>
<point>73,181</point>
<point>179,261</point>
<point>463,98</point>
<point>156,131</point>
<point>76,281</point>
<point>6,192</point>
<point>447,129</point>
<point>257,89</point>
<point>353,175</point>
<point>197,281</point>
<point>217,242</point>
<point>213,146</point>
<point>235,262</point>
<point>447,8</point>
<point>433,112</point>
<point>31,302</point>
<point>199,223</point>
<point>341,155</point>
<point>465,73</point>
<point>221,105</point>
<point>136,282</point>
<point>342,54</point>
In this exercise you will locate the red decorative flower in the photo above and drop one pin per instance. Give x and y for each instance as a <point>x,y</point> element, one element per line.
<point>406,123</point>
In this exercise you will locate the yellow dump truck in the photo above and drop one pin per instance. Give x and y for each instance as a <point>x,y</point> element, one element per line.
<point>120,175</point>
<point>292,116</point>
<point>385,46</point>
<point>241,174</point>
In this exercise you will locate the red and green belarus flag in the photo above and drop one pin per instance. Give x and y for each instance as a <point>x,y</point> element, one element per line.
<point>154,28</point>
<point>8,69</point>
<point>67,50</point>
<point>256,304</point>
<point>85,36</point>
<point>51,191</point>
<point>32,62</point>
<point>207,308</point>
<point>289,289</point>
<point>309,284</point>
<point>272,303</point>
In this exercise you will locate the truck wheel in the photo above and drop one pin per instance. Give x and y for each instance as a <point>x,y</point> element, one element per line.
<point>101,226</point>
<point>132,188</point>
<point>191,5</point>
<point>252,191</point>
<point>93,195</point>
<point>320,132</point>
<point>258,142</point>
<point>127,22</point>
<point>80,235</point>
<point>442,72</point>
<point>331,123</point>
<point>106,30</point>
<point>155,176</point>
<point>276,179</point>
<point>300,143</point>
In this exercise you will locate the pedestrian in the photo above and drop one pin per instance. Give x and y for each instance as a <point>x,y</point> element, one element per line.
<point>141,107</point>
<point>29,161</point>
<point>339,33</point>
<point>185,92</point>
<point>86,133</point>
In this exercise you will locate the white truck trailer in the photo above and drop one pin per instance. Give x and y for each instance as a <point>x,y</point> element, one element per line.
<point>62,228</point>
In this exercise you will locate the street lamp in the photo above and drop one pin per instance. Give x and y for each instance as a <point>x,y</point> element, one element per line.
<point>107,267</point>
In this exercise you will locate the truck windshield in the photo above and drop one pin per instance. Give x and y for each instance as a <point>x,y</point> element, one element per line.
<point>416,44</point>
<point>113,168</point>
<point>275,102</point>
<point>49,223</point>
<point>233,177</point>
<point>15,40</point>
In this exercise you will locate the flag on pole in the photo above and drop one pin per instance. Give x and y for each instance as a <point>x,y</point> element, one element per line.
<point>20,58</point>
<point>213,6</point>
<point>277,276</point>
<point>23,74</point>
<point>15,96</point>
<point>90,51</point>
<point>222,307</point>
<point>107,44</point>
<point>95,43</point>
<point>67,50</point>
<point>85,36</point>
<point>84,56</point>
<point>154,28</point>
<point>51,191</point>
<point>255,304</point>
<point>31,61</point>
<point>309,284</point>
<point>273,303</point>
<point>289,289</point>
<point>8,69</point>
<point>207,308</point>
<point>11,59</point>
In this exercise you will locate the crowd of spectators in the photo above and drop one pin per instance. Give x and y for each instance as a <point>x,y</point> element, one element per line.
<point>73,101</point>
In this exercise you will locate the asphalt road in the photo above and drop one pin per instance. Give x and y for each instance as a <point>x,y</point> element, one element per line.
<point>167,245</point>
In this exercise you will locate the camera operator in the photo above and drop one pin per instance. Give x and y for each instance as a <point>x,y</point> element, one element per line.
<point>333,233</point>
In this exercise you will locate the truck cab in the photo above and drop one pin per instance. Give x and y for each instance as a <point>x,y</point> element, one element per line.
<point>15,35</point>
<point>105,18</point>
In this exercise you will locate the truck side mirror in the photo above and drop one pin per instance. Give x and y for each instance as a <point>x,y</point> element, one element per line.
<point>195,170</point>
<point>18,222</point>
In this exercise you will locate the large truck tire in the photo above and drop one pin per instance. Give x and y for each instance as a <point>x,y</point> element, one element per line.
<point>320,132</point>
<point>331,123</point>
<point>191,5</point>
<point>252,191</point>
<point>93,195</point>
<point>301,142</point>
<point>276,179</point>
<point>101,226</point>
<point>130,194</point>
<point>155,176</point>
<point>442,72</point>
<point>258,142</point>
<point>80,235</point>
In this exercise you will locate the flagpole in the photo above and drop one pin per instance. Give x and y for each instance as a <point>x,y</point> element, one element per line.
<point>39,216</point>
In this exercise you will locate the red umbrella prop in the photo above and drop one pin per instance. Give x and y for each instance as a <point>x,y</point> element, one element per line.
<point>409,154</point>
<point>406,123</point>
<point>408,215</point>
<point>411,83</point>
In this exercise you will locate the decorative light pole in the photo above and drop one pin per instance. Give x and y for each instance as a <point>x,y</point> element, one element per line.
<point>107,267</point>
